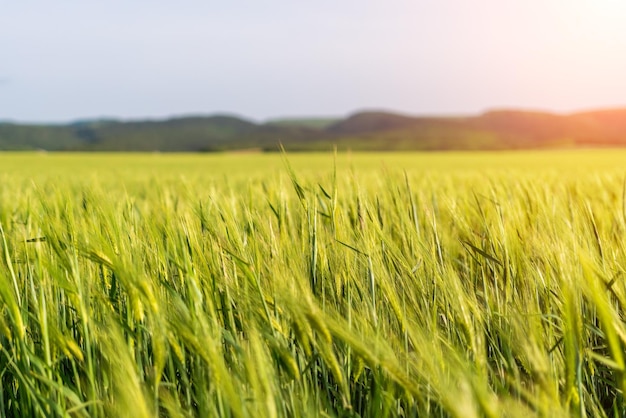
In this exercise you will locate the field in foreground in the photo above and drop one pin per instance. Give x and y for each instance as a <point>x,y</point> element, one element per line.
<point>377,285</point>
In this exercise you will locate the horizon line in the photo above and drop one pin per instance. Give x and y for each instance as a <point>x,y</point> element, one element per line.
<point>273,119</point>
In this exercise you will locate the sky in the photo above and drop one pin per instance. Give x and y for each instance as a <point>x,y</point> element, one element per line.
<point>70,59</point>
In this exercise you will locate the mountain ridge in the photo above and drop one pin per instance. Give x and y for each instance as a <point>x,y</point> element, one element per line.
<point>363,130</point>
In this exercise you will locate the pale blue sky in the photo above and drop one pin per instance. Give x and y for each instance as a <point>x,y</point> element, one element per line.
<point>72,59</point>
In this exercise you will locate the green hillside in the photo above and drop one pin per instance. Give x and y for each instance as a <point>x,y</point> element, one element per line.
<point>32,137</point>
<point>189,134</point>
<point>369,122</point>
<point>371,130</point>
<point>312,123</point>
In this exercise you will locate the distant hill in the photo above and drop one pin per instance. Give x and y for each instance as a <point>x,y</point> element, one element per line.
<point>369,122</point>
<point>187,134</point>
<point>369,130</point>
<point>313,123</point>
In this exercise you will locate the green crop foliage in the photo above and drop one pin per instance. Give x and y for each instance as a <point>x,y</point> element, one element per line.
<point>254,285</point>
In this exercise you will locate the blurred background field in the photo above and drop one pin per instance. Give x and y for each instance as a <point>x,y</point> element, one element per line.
<point>133,166</point>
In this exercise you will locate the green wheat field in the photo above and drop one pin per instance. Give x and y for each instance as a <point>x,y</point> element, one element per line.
<point>313,285</point>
